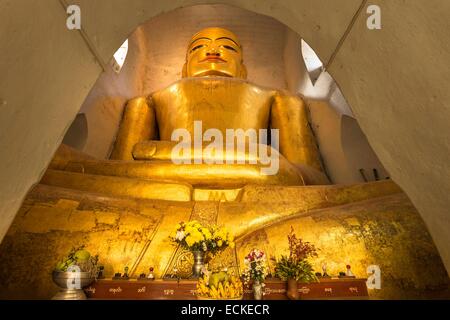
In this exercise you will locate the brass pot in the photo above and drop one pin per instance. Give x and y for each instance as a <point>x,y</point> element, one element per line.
<point>71,284</point>
<point>199,263</point>
<point>292,289</point>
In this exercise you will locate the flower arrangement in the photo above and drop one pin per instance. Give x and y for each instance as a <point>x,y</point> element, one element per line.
<point>194,236</point>
<point>219,285</point>
<point>296,266</point>
<point>255,267</point>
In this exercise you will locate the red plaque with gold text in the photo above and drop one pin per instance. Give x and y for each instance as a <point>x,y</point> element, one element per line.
<point>185,289</point>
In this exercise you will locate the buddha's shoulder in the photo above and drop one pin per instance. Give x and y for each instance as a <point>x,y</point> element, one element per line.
<point>210,83</point>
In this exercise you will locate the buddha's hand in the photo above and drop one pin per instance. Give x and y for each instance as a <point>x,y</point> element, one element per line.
<point>173,150</point>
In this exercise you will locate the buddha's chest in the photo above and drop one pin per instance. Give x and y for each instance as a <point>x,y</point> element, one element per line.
<point>219,104</point>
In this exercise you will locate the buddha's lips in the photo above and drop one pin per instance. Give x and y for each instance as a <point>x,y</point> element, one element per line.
<point>213,59</point>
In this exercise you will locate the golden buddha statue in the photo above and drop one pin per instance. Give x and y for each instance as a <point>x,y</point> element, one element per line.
<point>126,207</point>
<point>212,99</point>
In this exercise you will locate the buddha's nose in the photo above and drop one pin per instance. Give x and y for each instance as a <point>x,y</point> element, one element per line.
<point>213,53</point>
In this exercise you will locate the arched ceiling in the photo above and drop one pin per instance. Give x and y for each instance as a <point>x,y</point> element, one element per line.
<point>396,80</point>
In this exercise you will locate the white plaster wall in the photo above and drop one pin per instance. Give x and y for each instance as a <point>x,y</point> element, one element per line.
<point>104,104</point>
<point>358,153</point>
<point>342,144</point>
<point>397,81</point>
<point>398,89</point>
<point>46,72</point>
<point>326,123</point>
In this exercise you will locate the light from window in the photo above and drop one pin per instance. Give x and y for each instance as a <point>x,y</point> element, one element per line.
<point>312,62</point>
<point>120,56</point>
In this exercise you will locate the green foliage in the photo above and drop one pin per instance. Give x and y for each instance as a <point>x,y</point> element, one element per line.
<point>287,268</point>
<point>296,266</point>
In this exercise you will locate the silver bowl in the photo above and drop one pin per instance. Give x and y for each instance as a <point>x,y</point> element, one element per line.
<point>72,284</point>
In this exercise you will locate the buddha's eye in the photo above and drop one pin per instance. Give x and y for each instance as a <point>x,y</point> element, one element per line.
<point>197,47</point>
<point>230,48</point>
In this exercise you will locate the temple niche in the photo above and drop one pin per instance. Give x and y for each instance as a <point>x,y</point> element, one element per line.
<point>275,57</point>
<point>111,186</point>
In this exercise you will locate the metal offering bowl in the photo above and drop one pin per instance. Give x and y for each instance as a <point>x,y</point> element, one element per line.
<point>63,280</point>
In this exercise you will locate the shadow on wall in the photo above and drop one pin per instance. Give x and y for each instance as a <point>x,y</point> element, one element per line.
<point>77,134</point>
<point>343,146</point>
<point>358,153</point>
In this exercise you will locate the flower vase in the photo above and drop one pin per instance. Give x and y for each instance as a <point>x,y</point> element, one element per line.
<point>292,289</point>
<point>199,263</point>
<point>257,290</point>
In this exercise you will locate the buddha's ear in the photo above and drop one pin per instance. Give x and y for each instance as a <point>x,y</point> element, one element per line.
<point>184,71</point>
<point>243,73</point>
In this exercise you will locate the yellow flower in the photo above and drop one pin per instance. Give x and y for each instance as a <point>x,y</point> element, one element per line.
<point>196,234</point>
<point>189,241</point>
<point>206,233</point>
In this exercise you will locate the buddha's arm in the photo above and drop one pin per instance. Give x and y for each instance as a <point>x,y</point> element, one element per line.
<point>138,124</point>
<point>297,142</point>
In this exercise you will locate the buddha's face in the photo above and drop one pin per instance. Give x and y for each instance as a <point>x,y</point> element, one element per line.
<point>214,52</point>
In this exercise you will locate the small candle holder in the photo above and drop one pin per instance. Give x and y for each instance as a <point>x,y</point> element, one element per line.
<point>150,276</point>
<point>125,275</point>
<point>100,272</point>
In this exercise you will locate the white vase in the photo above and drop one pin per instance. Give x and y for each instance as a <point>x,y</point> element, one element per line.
<point>257,290</point>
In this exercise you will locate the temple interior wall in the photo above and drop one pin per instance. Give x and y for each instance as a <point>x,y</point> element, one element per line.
<point>398,91</point>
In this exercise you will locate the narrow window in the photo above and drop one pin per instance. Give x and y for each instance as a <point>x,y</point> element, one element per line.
<point>312,62</point>
<point>120,56</point>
